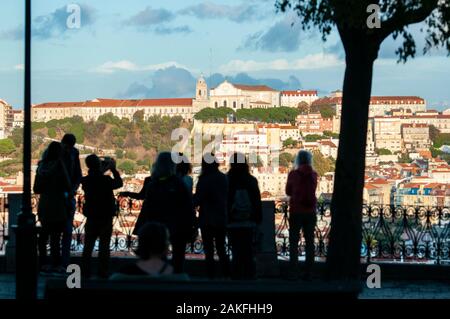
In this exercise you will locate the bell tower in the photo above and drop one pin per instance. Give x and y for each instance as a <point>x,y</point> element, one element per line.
<point>201,95</point>
<point>201,89</point>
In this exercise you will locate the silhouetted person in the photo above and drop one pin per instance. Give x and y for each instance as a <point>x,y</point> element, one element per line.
<point>184,170</point>
<point>211,196</point>
<point>169,202</point>
<point>153,247</point>
<point>71,157</point>
<point>99,209</point>
<point>141,194</point>
<point>244,214</point>
<point>301,188</point>
<point>52,183</point>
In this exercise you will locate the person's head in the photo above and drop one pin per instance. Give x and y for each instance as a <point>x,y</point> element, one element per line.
<point>53,152</point>
<point>153,241</point>
<point>303,158</point>
<point>164,165</point>
<point>69,141</point>
<point>209,164</point>
<point>93,162</point>
<point>183,168</point>
<point>239,164</point>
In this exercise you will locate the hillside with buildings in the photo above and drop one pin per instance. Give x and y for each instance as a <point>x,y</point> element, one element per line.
<point>407,151</point>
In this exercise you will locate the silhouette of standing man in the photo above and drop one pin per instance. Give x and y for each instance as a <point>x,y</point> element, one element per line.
<point>71,159</point>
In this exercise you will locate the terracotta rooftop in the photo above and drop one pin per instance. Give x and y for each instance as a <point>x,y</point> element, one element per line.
<point>252,87</point>
<point>119,103</point>
<point>300,92</point>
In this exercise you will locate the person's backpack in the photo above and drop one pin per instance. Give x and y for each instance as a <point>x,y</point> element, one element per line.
<point>242,206</point>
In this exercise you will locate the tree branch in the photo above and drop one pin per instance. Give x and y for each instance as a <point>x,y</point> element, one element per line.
<point>403,18</point>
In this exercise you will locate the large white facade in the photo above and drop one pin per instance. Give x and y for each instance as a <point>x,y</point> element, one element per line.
<point>237,96</point>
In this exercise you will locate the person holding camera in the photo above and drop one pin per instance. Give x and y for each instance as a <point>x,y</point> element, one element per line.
<point>99,210</point>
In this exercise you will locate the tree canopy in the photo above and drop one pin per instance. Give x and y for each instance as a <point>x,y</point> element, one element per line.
<point>395,17</point>
<point>7,147</point>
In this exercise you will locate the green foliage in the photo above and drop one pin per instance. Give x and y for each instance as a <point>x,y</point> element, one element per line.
<point>119,154</point>
<point>145,163</point>
<point>7,147</point>
<point>286,160</point>
<point>213,115</point>
<point>131,155</point>
<point>270,115</point>
<point>109,118</point>
<point>434,132</point>
<point>327,111</point>
<point>303,107</point>
<point>322,164</point>
<point>435,152</point>
<point>138,116</point>
<point>313,137</point>
<point>128,167</point>
<point>404,158</point>
<point>383,151</point>
<point>330,134</point>
<point>10,167</point>
<point>441,139</point>
<point>289,142</point>
<point>51,132</point>
<point>17,136</point>
<point>37,125</point>
<point>396,16</point>
<point>77,129</point>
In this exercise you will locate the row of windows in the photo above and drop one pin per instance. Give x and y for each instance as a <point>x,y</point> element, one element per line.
<point>98,111</point>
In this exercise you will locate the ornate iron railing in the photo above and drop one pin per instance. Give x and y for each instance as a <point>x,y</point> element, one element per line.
<point>396,234</point>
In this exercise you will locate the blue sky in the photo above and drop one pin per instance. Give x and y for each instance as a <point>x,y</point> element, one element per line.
<point>143,48</point>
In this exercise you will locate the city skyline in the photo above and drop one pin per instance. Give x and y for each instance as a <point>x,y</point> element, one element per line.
<point>190,36</point>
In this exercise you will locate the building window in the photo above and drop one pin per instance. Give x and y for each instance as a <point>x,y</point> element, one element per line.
<point>234,104</point>
<point>216,105</point>
<point>224,103</point>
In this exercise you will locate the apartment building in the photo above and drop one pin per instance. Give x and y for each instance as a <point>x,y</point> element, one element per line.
<point>314,123</point>
<point>416,136</point>
<point>296,98</point>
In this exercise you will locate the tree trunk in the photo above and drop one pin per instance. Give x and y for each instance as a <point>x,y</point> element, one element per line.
<point>343,258</point>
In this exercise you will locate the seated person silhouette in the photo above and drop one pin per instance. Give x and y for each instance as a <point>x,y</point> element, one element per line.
<point>152,251</point>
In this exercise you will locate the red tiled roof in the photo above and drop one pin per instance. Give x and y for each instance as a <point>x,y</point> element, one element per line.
<point>299,92</point>
<point>12,189</point>
<point>415,125</point>
<point>375,100</point>
<point>252,87</point>
<point>119,103</point>
<point>370,186</point>
<point>327,143</point>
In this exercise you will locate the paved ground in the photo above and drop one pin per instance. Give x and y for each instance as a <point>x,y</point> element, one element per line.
<point>388,290</point>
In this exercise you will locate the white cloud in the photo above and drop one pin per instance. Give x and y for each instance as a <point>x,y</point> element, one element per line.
<point>19,67</point>
<point>125,65</point>
<point>311,61</point>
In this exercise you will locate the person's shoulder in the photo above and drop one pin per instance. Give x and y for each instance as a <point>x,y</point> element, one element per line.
<point>147,180</point>
<point>252,179</point>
